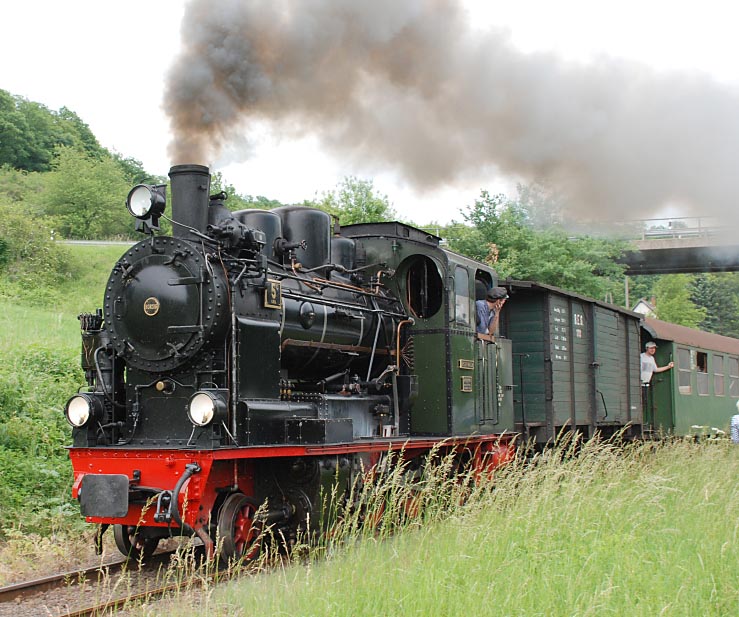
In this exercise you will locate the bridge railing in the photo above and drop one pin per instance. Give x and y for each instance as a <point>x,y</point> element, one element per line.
<point>680,227</point>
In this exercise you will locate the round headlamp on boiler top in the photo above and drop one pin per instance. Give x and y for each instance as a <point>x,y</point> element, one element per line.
<point>145,201</point>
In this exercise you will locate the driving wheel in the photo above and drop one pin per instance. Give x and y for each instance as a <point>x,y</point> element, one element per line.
<point>237,529</point>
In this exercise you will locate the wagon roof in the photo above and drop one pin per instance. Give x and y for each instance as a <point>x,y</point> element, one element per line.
<point>688,336</point>
<point>512,284</point>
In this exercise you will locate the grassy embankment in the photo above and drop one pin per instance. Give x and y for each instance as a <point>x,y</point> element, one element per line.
<point>40,370</point>
<point>650,531</point>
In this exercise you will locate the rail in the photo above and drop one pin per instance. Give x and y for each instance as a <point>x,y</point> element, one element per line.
<point>679,227</point>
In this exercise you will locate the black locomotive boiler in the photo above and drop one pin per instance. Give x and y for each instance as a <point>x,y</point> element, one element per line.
<point>255,356</point>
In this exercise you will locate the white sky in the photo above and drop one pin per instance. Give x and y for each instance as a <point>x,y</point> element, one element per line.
<point>107,61</point>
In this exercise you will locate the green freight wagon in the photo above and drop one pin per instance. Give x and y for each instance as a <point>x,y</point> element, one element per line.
<point>698,396</point>
<point>575,363</point>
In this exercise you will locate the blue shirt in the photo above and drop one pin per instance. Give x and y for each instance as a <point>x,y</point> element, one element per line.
<point>485,316</point>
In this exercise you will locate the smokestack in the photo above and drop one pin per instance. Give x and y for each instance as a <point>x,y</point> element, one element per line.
<point>190,192</point>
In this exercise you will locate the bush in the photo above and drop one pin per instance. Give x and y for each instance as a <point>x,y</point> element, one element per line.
<point>35,473</point>
<point>31,263</point>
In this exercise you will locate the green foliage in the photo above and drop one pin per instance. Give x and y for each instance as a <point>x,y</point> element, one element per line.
<point>20,187</point>
<point>718,294</point>
<point>35,382</point>
<point>32,265</point>
<point>500,232</point>
<point>31,132</point>
<point>234,201</point>
<point>16,143</point>
<point>134,172</point>
<point>86,196</point>
<point>673,301</point>
<point>40,348</point>
<point>355,201</point>
<point>641,286</point>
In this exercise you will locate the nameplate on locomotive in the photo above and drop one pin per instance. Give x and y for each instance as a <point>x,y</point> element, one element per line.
<point>273,295</point>
<point>467,365</point>
<point>151,306</point>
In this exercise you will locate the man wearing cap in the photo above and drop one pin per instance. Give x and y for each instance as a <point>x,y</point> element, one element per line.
<point>649,366</point>
<point>488,310</point>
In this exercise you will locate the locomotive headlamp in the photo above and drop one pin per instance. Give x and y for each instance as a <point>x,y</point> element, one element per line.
<point>81,407</point>
<point>205,406</point>
<point>147,201</point>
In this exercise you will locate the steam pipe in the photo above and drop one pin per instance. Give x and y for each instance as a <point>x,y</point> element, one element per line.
<point>174,508</point>
<point>397,340</point>
<point>190,469</point>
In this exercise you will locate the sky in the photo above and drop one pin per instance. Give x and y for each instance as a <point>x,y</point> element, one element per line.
<point>109,63</point>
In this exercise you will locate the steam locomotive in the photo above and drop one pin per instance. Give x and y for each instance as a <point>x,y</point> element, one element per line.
<point>256,357</point>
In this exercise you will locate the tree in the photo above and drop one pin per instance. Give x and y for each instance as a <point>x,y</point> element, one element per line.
<point>15,145</point>
<point>718,294</point>
<point>672,294</point>
<point>500,232</point>
<point>31,132</point>
<point>641,286</point>
<point>355,201</point>
<point>235,201</point>
<point>31,263</point>
<point>86,197</point>
<point>134,171</point>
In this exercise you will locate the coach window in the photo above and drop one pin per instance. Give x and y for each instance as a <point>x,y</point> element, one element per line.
<point>462,295</point>
<point>684,371</point>
<point>734,377</point>
<point>718,375</point>
<point>702,374</point>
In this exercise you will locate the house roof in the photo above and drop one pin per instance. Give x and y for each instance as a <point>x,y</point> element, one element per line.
<point>648,305</point>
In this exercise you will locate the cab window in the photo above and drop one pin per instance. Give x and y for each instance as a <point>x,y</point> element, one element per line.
<point>462,295</point>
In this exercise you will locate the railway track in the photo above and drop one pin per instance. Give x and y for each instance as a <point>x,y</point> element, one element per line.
<point>92,591</point>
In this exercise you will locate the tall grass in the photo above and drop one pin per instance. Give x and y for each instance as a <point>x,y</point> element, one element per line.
<point>583,529</point>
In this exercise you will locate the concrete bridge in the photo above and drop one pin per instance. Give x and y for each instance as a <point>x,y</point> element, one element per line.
<point>678,245</point>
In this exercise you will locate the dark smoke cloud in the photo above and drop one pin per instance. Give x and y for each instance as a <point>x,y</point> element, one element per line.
<point>410,86</point>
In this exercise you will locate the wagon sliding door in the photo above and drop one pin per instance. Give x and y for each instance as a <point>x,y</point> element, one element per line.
<point>615,345</point>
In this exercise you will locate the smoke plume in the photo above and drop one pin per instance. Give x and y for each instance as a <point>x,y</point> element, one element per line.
<point>410,86</point>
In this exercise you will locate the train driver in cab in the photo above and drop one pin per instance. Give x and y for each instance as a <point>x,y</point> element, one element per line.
<point>649,365</point>
<point>488,310</point>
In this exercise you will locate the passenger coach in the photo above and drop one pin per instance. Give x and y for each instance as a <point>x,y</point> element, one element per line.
<point>699,394</point>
